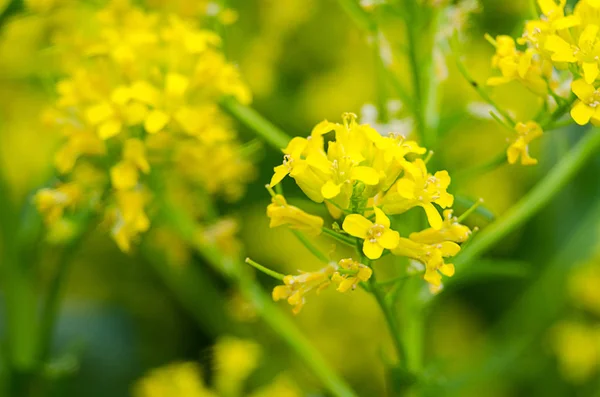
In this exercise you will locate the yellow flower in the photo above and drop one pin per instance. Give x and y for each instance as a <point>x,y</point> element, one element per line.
<point>234,359</point>
<point>554,19</point>
<point>176,379</point>
<point>418,188</point>
<point>527,132</point>
<point>131,219</point>
<point>577,347</point>
<point>451,230</point>
<point>586,53</point>
<point>377,236</point>
<point>519,66</point>
<point>51,203</point>
<point>281,213</point>
<point>222,234</point>
<point>583,287</point>
<point>353,273</point>
<point>295,287</point>
<point>586,107</point>
<point>431,255</point>
<point>125,175</point>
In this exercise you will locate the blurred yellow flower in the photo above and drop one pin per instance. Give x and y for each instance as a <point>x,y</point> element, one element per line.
<point>526,133</point>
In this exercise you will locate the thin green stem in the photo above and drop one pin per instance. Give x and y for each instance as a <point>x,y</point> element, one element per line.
<point>533,201</point>
<point>411,23</point>
<point>340,237</point>
<point>310,246</point>
<point>390,319</point>
<point>265,270</point>
<point>252,119</point>
<point>490,165</point>
<point>237,273</point>
<point>468,212</point>
<point>482,93</point>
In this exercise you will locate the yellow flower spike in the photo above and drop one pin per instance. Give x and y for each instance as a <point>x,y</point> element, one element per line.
<point>281,213</point>
<point>377,236</point>
<point>526,133</point>
<point>586,107</point>
<point>130,217</point>
<point>296,287</point>
<point>451,230</point>
<point>345,282</point>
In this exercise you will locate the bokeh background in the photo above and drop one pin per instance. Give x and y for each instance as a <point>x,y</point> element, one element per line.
<point>526,328</point>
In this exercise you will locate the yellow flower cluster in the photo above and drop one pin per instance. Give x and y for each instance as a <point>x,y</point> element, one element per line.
<point>558,41</point>
<point>234,361</point>
<point>140,101</point>
<point>364,178</point>
<point>346,274</point>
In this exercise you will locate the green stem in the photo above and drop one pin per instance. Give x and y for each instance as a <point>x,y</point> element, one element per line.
<point>252,119</point>
<point>238,274</point>
<point>533,201</point>
<point>411,23</point>
<point>265,270</point>
<point>482,93</point>
<point>339,237</point>
<point>431,115</point>
<point>389,318</point>
<point>309,246</point>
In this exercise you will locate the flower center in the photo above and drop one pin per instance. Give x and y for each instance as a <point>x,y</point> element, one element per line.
<point>375,232</point>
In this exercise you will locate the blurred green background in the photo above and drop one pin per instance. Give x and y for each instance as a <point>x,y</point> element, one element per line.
<point>489,334</point>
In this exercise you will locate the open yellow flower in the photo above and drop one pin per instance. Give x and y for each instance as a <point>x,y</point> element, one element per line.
<point>526,132</point>
<point>295,287</point>
<point>358,273</point>
<point>587,107</point>
<point>451,230</point>
<point>586,53</point>
<point>377,236</point>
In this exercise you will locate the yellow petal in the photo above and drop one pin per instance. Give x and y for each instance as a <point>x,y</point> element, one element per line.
<point>176,84</point>
<point>433,216</point>
<point>356,225</point>
<point>98,113</point>
<point>381,218</point>
<point>590,71</point>
<point>109,128</point>
<point>281,172</point>
<point>124,176</point>
<point>145,92</point>
<point>389,239</point>
<point>588,35</point>
<point>581,113</point>
<point>372,250</point>
<point>367,175</point>
<point>330,189</point>
<point>447,269</point>
<point>406,188</point>
<point>322,128</point>
<point>156,121</point>
<point>583,90</point>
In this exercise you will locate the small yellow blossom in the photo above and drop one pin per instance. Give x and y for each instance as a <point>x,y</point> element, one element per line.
<point>451,230</point>
<point>583,287</point>
<point>527,132</point>
<point>431,255</point>
<point>234,360</point>
<point>418,188</point>
<point>281,213</point>
<point>586,53</point>
<point>577,347</point>
<point>587,107</point>
<point>354,273</point>
<point>173,380</point>
<point>131,218</point>
<point>519,66</point>
<point>377,236</point>
<point>51,203</point>
<point>296,287</point>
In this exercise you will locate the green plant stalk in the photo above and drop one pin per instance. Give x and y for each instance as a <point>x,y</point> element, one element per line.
<point>309,246</point>
<point>390,320</point>
<point>431,110</point>
<point>238,273</point>
<point>252,119</point>
<point>533,201</point>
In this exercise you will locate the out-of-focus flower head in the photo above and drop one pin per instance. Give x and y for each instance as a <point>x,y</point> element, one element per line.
<point>140,102</point>
<point>235,360</point>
